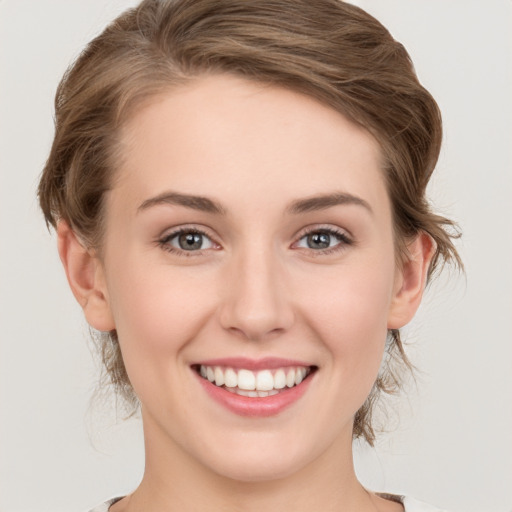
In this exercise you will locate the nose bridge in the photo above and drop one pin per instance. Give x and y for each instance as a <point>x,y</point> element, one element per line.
<point>256,304</point>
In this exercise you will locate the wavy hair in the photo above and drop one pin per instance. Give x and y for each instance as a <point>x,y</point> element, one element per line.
<point>327,49</point>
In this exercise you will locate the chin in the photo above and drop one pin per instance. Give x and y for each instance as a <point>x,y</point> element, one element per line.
<point>252,463</point>
<point>258,471</point>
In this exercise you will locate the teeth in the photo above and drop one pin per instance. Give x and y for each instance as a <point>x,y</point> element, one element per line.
<point>264,381</point>
<point>246,380</point>
<point>219,376</point>
<point>290,378</point>
<point>279,379</point>
<point>254,384</point>
<point>230,378</point>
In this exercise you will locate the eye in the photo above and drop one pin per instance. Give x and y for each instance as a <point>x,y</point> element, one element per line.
<point>323,240</point>
<point>188,240</point>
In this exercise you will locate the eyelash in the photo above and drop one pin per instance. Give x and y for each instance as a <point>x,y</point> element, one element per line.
<point>343,240</point>
<point>165,245</point>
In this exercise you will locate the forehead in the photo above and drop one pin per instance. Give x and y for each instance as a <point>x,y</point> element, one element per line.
<point>219,134</point>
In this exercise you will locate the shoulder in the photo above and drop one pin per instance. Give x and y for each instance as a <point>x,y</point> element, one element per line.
<point>105,506</point>
<point>411,504</point>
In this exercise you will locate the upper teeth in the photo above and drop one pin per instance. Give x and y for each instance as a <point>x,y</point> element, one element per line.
<point>264,380</point>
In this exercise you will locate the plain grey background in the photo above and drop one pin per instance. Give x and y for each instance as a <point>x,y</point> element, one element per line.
<point>453,443</point>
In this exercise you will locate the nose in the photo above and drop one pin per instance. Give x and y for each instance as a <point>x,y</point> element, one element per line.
<point>256,303</point>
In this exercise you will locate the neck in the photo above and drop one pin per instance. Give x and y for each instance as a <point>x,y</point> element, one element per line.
<point>175,481</point>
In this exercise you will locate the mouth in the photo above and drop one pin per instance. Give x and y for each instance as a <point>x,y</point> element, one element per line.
<point>263,383</point>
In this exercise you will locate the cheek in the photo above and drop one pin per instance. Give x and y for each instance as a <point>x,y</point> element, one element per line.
<point>157,312</point>
<point>349,311</point>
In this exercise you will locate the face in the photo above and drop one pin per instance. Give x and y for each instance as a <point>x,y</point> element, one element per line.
<point>248,241</point>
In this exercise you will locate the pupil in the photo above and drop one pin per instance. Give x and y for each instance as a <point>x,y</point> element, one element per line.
<point>190,241</point>
<point>319,240</point>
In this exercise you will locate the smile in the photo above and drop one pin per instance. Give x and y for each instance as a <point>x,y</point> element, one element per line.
<point>263,383</point>
<point>254,389</point>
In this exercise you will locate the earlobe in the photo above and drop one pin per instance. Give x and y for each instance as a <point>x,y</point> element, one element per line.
<point>411,281</point>
<point>85,277</point>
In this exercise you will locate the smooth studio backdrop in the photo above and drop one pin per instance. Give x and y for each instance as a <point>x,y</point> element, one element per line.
<point>453,443</point>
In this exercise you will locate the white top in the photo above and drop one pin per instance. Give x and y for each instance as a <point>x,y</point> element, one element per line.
<point>410,504</point>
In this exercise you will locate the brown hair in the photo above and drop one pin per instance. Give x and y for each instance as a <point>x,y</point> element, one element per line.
<point>326,49</point>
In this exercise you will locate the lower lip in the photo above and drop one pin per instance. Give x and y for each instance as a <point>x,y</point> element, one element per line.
<point>257,406</point>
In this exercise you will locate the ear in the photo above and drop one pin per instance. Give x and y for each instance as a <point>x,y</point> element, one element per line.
<point>410,281</point>
<point>86,278</point>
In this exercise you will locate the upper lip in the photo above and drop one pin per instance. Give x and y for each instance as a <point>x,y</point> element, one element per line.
<point>265,363</point>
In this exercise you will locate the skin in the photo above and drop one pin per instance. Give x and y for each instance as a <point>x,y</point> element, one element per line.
<point>257,288</point>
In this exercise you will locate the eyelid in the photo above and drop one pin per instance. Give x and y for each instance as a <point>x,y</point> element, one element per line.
<point>170,233</point>
<point>344,236</point>
<point>330,228</point>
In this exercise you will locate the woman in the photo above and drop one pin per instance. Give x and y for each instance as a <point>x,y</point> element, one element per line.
<point>238,190</point>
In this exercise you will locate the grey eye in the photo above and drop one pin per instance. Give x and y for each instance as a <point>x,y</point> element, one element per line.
<point>319,240</point>
<point>189,241</point>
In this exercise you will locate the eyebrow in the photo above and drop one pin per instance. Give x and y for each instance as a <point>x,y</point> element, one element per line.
<point>204,204</point>
<point>322,202</point>
<point>189,201</point>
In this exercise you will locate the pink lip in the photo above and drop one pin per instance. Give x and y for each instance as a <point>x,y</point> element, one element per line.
<point>258,406</point>
<point>266,363</point>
